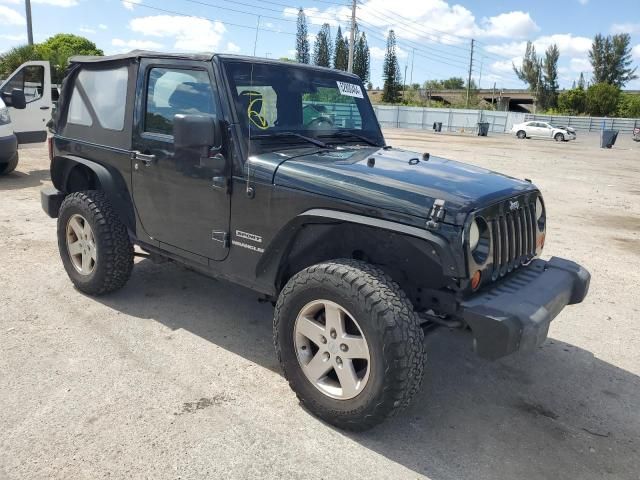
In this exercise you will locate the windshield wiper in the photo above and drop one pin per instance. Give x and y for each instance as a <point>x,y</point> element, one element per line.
<point>315,141</point>
<point>345,133</point>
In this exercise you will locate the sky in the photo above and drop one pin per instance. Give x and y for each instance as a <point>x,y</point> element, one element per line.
<point>434,36</point>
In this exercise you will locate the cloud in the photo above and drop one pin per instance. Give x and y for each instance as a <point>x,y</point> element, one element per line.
<point>189,33</point>
<point>102,26</point>
<point>635,52</point>
<point>232,48</point>
<point>57,3</point>
<point>14,38</point>
<point>580,65</point>
<point>583,2</point>
<point>568,44</point>
<point>509,25</point>
<point>86,30</point>
<point>334,16</point>
<point>9,16</point>
<point>130,4</point>
<point>630,28</point>
<point>378,53</point>
<point>136,44</point>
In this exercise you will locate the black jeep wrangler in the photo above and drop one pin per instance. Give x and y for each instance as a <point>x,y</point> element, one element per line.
<point>276,176</point>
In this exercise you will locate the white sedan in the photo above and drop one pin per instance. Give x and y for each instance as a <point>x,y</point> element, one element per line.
<point>543,130</point>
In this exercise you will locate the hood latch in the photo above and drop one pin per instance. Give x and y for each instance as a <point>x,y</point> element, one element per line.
<point>436,216</point>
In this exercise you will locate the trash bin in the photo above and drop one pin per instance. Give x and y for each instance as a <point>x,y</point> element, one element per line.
<point>608,138</point>
<point>483,129</point>
<point>437,126</point>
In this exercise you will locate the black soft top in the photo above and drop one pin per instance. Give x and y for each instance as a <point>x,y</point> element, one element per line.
<point>136,54</point>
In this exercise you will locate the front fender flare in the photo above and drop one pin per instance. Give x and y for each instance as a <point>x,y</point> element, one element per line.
<point>270,263</point>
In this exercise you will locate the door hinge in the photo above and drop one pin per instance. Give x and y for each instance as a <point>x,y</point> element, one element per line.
<point>436,216</point>
<point>222,237</point>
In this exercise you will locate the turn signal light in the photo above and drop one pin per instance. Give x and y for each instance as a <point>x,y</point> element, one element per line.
<point>50,148</point>
<point>540,242</point>
<point>475,280</point>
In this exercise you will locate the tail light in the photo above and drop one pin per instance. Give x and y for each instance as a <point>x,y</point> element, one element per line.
<point>50,147</point>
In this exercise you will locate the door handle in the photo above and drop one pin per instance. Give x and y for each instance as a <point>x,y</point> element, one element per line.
<point>147,159</point>
<point>44,107</point>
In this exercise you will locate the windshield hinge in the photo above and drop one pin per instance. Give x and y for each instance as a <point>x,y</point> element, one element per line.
<point>222,237</point>
<point>436,216</point>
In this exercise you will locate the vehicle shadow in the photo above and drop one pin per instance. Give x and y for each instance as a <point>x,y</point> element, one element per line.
<point>561,413</point>
<point>17,180</point>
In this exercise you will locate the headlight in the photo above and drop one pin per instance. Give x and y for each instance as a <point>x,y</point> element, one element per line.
<point>474,235</point>
<point>539,209</point>
<point>4,116</point>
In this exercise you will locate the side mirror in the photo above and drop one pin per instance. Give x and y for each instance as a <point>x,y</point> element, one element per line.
<point>195,131</point>
<point>192,132</point>
<point>17,99</point>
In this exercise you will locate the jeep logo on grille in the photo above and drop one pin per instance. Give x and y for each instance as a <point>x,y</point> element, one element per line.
<point>514,205</point>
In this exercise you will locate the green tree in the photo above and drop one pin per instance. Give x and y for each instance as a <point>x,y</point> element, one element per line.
<point>573,102</point>
<point>362,58</point>
<point>550,77</point>
<point>581,83</point>
<point>611,59</point>
<point>391,72</point>
<point>629,106</point>
<point>302,39</point>
<point>602,99</point>
<point>13,58</point>
<point>341,52</point>
<point>322,47</point>
<point>531,70</point>
<point>433,85</point>
<point>453,83</point>
<point>60,47</point>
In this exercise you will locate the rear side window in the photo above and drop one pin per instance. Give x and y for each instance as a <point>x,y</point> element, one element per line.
<point>99,95</point>
<point>174,91</point>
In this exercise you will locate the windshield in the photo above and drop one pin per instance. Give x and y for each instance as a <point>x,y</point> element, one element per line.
<point>286,106</point>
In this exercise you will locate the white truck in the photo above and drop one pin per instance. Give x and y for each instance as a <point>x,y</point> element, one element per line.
<point>26,102</point>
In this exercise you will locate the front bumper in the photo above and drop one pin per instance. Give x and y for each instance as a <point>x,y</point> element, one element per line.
<point>514,315</point>
<point>8,147</point>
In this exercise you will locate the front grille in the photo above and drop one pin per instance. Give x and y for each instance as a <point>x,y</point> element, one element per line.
<point>513,239</point>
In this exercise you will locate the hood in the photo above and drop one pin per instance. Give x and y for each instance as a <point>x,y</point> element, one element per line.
<point>393,179</point>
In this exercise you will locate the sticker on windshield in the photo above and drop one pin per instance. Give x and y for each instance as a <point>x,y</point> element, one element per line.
<point>350,89</point>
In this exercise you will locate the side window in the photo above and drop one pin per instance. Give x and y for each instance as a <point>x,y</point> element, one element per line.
<point>99,95</point>
<point>30,80</point>
<point>174,91</point>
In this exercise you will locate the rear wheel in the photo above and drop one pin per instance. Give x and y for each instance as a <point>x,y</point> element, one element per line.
<point>94,245</point>
<point>9,166</point>
<point>349,343</point>
<point>559,137</point>
<point>521,134</point>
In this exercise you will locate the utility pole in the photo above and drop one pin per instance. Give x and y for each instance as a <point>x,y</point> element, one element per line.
<point>352,36</point>
<point>470,69</point>
<point>493,93</point>
<point>404,83</point>
<point>413,56</point>
<point>480,79</point>
<point>255,42</point>
<point>27,5</point>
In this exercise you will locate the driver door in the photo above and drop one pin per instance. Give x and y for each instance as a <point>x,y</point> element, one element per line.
<point>34,79</point>
<point>179,204</point>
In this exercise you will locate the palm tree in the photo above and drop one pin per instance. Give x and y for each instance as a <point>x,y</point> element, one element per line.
<point>13,58</point>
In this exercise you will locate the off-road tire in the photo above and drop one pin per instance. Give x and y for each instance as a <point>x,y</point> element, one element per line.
<point>390,327</point>
<point>10,166</point>
<point>559,137</point>
<point>114,249</point>
<point>521,134</point>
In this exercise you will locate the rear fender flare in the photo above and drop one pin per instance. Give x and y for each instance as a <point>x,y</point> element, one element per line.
<point>110,181</point>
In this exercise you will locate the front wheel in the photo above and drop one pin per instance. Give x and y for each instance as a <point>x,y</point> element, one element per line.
<point>94,244</point>
<point>10,166</point>
<point>349,343</point>
<point>559,137</point>
<point>521,134</point>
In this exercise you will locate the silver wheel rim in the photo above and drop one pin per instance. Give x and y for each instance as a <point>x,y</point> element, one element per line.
<point>331,349</point>
<point>81,245</point>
